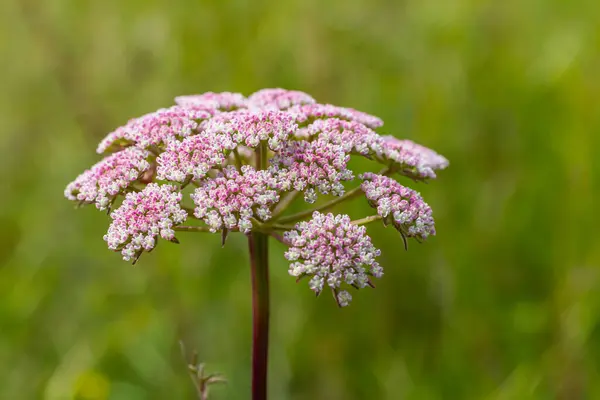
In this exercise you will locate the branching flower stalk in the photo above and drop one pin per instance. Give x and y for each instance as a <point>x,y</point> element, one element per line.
<point>242,162</point>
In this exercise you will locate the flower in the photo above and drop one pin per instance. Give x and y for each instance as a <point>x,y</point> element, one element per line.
<point>117,139</point>
<point>232,198</point>
<point>193,157</point>
<point>143,217</point>
<point>155,128</point>
<point>332,251</point>
<point>279,99</point>
<point>319,160</point>
<point>109,177</point>
<point>411,159</point>
<point>319,164</point>
<point>308,113</point>
<point>250,127</point>
<point>343,298</point>
<point>212,102</point>
<point>399,205</point>
<point>243,161</point>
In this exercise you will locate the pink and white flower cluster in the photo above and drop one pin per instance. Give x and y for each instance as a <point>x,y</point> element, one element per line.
<point>212,102</point>
<point>279,99</point>
<point>332,251</point>
<point>232,198</point>
<point>109,177</point>
<point>401,206</point>
<point>143,217</point>
<point>241,159</point>
<point>156,128</point>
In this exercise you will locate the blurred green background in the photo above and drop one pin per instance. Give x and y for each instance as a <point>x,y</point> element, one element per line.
<point>502,304</point>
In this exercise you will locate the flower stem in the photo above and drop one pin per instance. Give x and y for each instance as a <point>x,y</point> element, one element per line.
<point>238,159</point>
<point>278,237</point>
<point>185,228</point>
<point>284,204</point>
<point>280,227</point>
<point>349,195</point>
<point>366,220</point>
<point>307,213</point>
<point>258,244</point>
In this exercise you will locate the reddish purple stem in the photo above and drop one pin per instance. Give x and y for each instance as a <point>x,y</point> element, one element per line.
<point>258,244</point>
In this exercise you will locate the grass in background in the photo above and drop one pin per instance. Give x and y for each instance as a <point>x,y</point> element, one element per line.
<point>502,304</point>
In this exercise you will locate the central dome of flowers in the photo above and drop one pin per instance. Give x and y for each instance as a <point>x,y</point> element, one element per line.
<point>243,161</point>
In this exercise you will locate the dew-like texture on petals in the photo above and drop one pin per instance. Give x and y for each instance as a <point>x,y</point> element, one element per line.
<point>411,159</point>
<point>155,128</point>
<point>109,177</point>
<point>193,157</point>
<point>213,102</point>
<point>142,218</point>
<point>279,99</point>
<point>311,112</point>
<point>331,251</point>
<point>399,205</point>
<point>232,198</point>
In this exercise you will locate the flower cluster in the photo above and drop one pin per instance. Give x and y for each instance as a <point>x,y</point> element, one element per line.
<point>243,160</point>
<point>109,177</point>
<point>271,126</point>
<point>318,164</point>
<point>279,99</point>
<point>142,217</point>
<point>155,128</point>
<point>332,251</point>
<point>193,157</point>
<point>352,137</point>
<point>212,102</point>
<point>413,160</point>
<point>310,112</point>
<point>399,205</point>
<point>232,198</point>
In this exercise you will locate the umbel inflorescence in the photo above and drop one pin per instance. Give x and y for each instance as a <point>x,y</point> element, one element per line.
<point>239,162</point>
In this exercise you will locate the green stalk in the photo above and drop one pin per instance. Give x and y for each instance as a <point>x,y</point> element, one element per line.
<point>238,159</point>
<point>349,195</point>
<point>284,204</point>
<point>307,213</point>
<point>366,220</point>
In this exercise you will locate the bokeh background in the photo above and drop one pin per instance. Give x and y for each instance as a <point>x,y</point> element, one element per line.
<point>503,304</point>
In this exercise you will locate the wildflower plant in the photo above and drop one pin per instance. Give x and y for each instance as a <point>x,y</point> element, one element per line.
<point>223,163</point>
